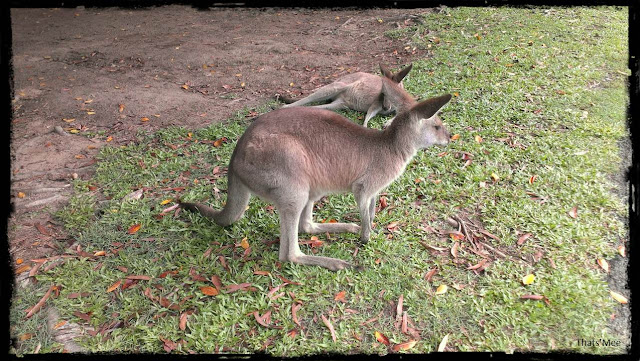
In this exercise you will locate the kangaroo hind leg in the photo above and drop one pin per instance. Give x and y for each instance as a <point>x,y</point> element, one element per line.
<point>324,93</point>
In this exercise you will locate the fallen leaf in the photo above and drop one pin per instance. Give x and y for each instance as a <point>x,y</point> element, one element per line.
<point>340,296</point>
<point>430,274</point>
<point>261,273</point>
<point>330,327</point>
<point>244,243</point>
<point>294,313</point>
<point>573,213</point>
<point>26,336</point>
<point>523,238</point>
<point>138,277</point>
<point>454,249</point>
<point>23,268</point>
<point>182,324</point>
<point>478,265</point>
<point>114,286</point>
<point>59,324</point>
<point>144,119</point>
<point>404,346</point>
<point>443,343</point>
<point>528,279</point>
<point>533,178</point>
<point>532,297</point>
<point>219,142</point>
<point>21,195</point>
<point>120,108</point>
<point>40,303</point>
<point>603,264</point>
<point>455,137</point>
<point>380,337</point>
<point>495,177</point>
<point>622,250</point>
<point>441,289</point>
<point>478,139</point>
<point>134,228</point>
<point>165,201</point>
<point>618,297</point>
<point>100,254</point>
<point>209,291</point>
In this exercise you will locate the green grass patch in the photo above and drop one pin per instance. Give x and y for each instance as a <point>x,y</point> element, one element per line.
<point>538,92</point>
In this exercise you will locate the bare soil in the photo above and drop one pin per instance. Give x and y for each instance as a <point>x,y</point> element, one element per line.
<point>108,72</point>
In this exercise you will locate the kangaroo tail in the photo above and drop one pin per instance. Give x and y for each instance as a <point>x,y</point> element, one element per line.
<point>237,200</point>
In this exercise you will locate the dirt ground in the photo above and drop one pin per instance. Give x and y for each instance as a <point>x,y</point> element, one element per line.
<point>109,72</point>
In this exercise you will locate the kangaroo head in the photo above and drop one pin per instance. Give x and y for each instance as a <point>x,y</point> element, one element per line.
<point>388,104</point>
<point>425,115</point>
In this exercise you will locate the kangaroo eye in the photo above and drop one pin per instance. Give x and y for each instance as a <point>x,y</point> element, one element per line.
<point>437,127</point>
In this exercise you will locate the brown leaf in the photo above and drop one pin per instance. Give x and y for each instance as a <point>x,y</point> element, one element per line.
<point>40,303</point>
<point>383,203</point>
<point>294,310</point>
<point>603,264</point>
<point>456,235</point>
<point>340,296</point>
<point>138,277</point>
<point>42,229</point>
<point>532,297</point>
<point>182,324</point>
<point>573,213</point>
<point>478,265</point>
<point>454,249</point>
<point>404,346</point>
<point>380,337</point>
<point>265,320</point>
<point>430,274</point>
<point>196,276</point>
<point>261,273</point>
<point>330,327</point>
<point>288,282</point>
<point>216,282</point>
<point>134,228</point>
<point>168,345</point>
<point>219,142</point>
<point>523,239</point>
<point>114,286</point>
<point>238,287</point>
<point>209,291</point>
<point>82,315</point>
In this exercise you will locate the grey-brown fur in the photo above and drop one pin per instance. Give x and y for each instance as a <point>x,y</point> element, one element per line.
<point>294,156</point>
<point>358,91</point>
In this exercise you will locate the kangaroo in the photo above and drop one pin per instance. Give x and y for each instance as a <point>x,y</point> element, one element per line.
<point>294,156</point>
<point>358,91</point>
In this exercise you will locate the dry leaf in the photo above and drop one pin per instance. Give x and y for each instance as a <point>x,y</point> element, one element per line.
<point>40,303</point>
<point>603,264</point>
<point>135,228</point>
<point>523,238</point>
<point>478,265</point>
<point>455,137</point>
<point>533,178</point>
<point>454,249</point>
<point>430,274</point>
<point>478,139</point>
<point>441,289</point>
<point>21,195</point>
<point>622,250</point>
<point>380,337</point>
<point>182,325</point>
<point>244,243</point>
<point>340,296</point>
<point>100,254</point>
<point>120,108</point>
<point>165,202</point>
<point>22,268</point>
<point>618,297</point>
<point>219,142</point>
<point>114,286</point>
<point>443,343</point>
<point>528,279</point>
<point>532,297</point>
<point>495,177</point>
<point>330,327</point>
<point>573,213</point>
<point>209,291</point>
<point>404,346</point>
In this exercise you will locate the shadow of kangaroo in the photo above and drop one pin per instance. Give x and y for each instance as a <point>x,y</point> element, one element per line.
<point>294,156</point>
<point>358,91</point>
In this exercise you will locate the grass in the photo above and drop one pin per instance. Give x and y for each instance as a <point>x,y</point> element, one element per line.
<point>544,91</point>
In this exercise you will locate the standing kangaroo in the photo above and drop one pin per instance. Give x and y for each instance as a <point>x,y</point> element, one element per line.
<point>294,156</point>
<point>357,91</point>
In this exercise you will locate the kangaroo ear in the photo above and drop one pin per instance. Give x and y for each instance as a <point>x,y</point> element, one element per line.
<point>397,77</point>
<point>394,92</point>
<point>428,108</point>
<point>385,71</point>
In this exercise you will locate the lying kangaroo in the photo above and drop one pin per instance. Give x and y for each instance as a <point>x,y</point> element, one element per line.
<point>357,91</point>
<point>294,156</point>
